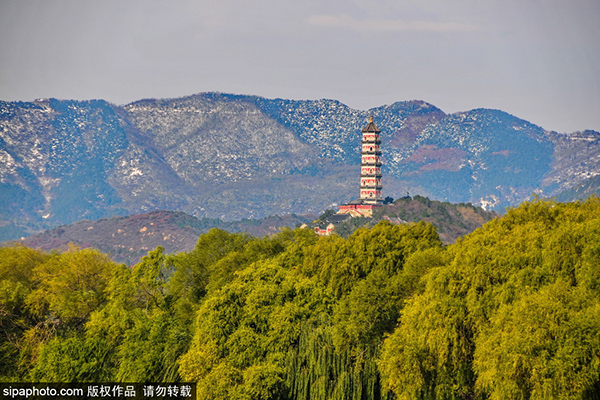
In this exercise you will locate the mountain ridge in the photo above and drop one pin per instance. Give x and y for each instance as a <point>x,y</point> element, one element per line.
<point>236,156</point>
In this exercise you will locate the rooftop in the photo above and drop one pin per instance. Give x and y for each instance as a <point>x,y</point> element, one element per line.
<point>371,127</point>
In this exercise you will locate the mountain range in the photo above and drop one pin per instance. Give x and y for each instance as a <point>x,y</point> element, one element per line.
<point>225,156</point>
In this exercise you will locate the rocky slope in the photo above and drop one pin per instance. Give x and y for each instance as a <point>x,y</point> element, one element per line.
<point>231,157</point>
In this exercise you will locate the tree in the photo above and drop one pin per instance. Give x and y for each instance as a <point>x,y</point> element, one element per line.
<point>511,315</point>
<point>69,286</point>
<point>544,346</point>
<point>17,264</point>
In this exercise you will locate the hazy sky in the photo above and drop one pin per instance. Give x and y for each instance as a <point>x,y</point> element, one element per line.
<point>536,59</point>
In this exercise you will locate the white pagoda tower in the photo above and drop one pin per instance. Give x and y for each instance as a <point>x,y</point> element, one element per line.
<point>370,175</point>
<point>370,165</point>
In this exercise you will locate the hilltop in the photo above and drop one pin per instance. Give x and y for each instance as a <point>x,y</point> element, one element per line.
<point>450,220</point>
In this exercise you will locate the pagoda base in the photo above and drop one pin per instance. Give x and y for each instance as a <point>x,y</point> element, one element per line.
<point>359,208</point>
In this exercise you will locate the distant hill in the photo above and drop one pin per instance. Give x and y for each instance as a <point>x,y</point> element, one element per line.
<point>127,239</point>
<point>451,220</point>
<point>214,155</point>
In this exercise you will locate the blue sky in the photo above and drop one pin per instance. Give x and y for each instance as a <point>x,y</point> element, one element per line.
<point>538,60</point>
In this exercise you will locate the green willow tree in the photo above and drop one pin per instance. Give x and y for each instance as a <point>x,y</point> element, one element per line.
<point>512,315</point>
<point>509,311</point>
<point>308,322</point>
<point>17,339</point>
<point>45,297</point>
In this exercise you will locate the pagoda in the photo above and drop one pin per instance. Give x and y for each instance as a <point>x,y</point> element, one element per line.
<point>370,175</point>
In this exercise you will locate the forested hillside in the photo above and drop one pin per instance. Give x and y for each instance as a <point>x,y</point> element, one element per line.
<point>511,311</point>
<point>450,220</point>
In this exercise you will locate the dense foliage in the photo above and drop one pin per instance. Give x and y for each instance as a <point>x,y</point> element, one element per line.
<point>510,311</point>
